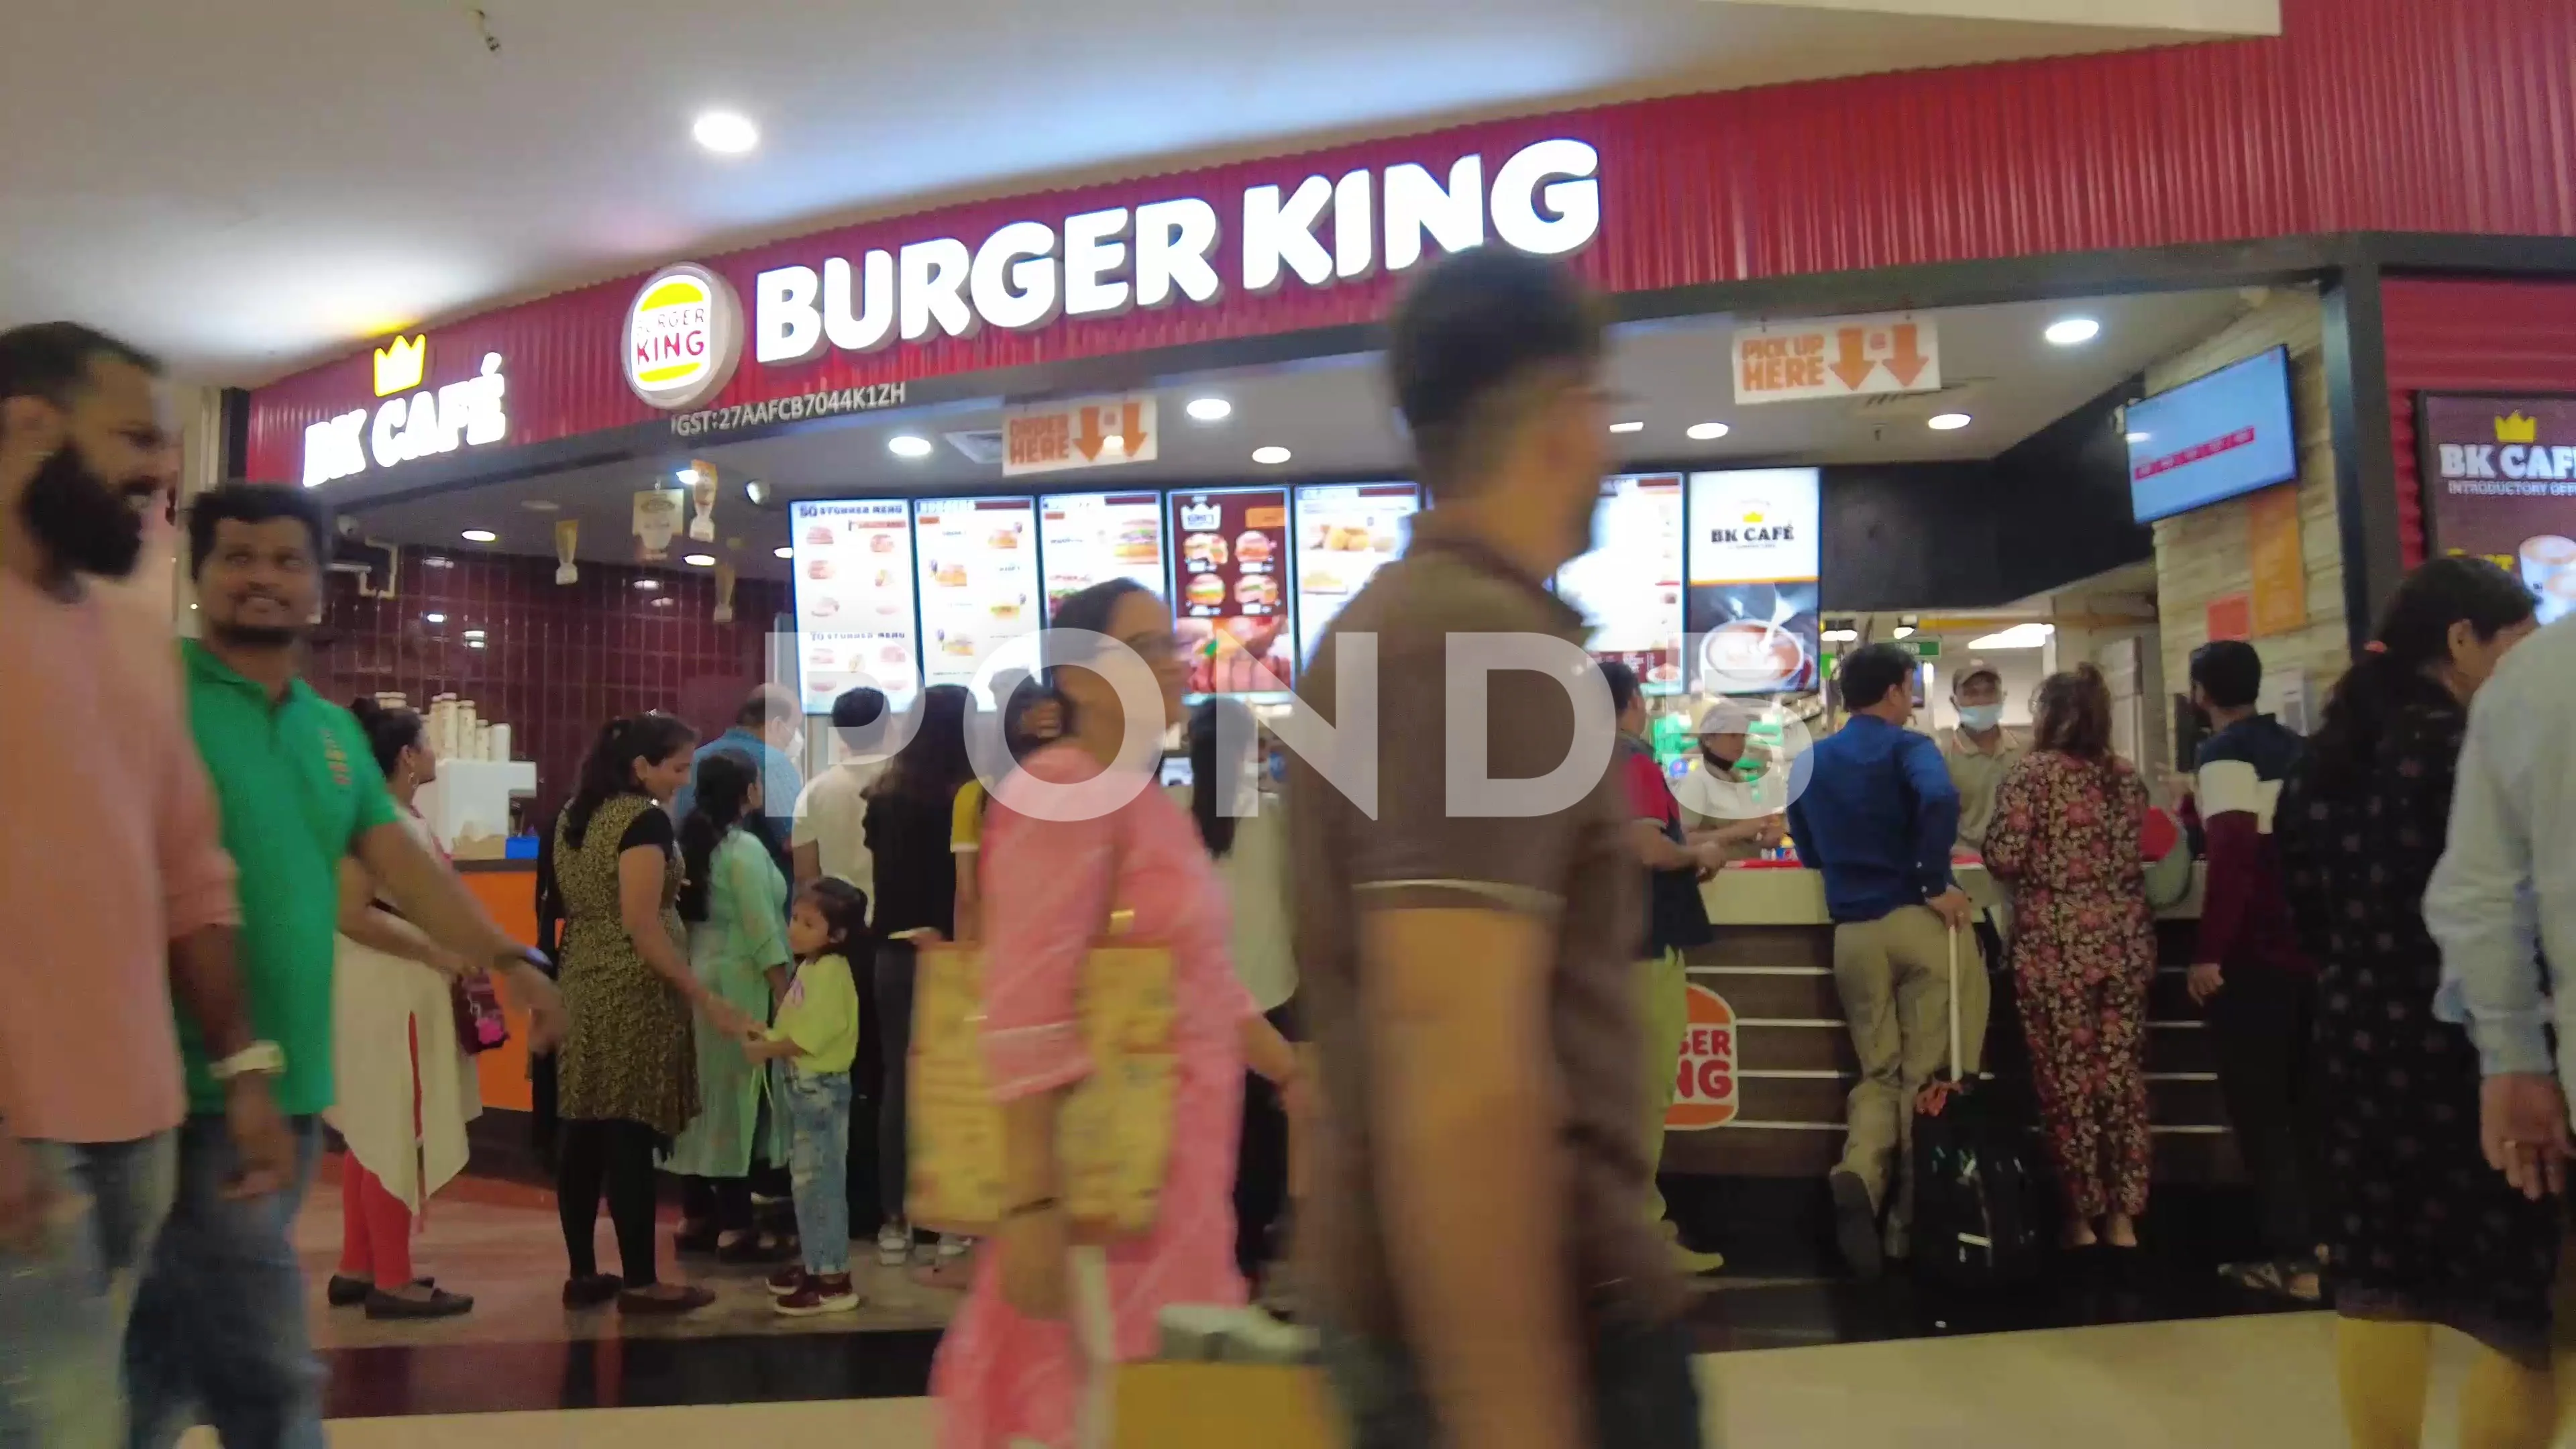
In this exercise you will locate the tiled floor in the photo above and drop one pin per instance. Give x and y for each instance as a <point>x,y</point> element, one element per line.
<point>2264,1382</point>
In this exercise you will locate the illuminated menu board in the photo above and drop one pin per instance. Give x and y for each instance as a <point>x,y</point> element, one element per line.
<point>979,580</point>
<point>1346,532</point>
<point>1629,587</point>
<point>1091,538</point>
<point>1753,586</point>
<point>854,601</point>
<point>1235,617</point>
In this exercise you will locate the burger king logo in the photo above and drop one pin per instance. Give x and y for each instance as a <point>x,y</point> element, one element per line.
<point>683,337</point>
<point>1704,1084</point>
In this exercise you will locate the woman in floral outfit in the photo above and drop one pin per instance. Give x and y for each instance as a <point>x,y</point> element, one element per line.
<point>2065,839</point>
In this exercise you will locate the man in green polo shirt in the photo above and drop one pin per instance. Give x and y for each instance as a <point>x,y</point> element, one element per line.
<point>218,1328</point>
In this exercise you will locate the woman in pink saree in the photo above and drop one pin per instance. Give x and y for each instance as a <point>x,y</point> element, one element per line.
<point>1029,1358</point>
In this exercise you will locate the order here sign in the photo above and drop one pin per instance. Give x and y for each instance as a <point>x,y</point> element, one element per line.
<point>1088,433</point>
<point>1837,357</point>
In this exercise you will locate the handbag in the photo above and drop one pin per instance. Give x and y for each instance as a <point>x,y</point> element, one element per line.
<point>1114,1135</point>
<point>480,1024</point>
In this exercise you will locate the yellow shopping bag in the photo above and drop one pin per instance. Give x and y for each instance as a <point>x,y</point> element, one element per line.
<point>1239,1406</point>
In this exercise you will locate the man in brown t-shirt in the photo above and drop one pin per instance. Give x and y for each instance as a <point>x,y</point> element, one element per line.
<point>1486,1268</point>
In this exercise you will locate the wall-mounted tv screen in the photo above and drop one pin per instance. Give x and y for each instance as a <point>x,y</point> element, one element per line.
<point>2213,438</point>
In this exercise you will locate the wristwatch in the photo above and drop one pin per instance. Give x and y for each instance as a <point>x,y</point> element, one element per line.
<point>260,1058</point>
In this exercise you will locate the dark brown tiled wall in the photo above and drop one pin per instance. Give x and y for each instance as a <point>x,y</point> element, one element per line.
<point>558,660</point>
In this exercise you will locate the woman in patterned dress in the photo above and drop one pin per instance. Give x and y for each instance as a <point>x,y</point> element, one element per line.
<point>2065,838</point>
<point>1029,1357</point>
<point>627,1078</point>
<point>2418,1229</point>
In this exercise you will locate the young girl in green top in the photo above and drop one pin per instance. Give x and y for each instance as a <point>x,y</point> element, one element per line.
<point>817,1035</point>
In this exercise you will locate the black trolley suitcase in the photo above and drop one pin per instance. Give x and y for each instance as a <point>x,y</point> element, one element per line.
<point>1977,1219</point>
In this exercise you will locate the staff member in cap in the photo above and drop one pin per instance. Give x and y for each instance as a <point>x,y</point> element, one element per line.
<point>1979,751</point>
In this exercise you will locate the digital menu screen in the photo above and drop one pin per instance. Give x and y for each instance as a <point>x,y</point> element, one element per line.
<point>1629,586</point>
<point>854,610</point>
<point>1235,616</point>
<point>979,581</point>
<point>1346,532</point>
<point>1091,538</point>
<point>1752,557</point>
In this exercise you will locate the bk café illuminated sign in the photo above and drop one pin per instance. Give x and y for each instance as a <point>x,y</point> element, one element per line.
<point>410,421</point>
<point>686,328</point>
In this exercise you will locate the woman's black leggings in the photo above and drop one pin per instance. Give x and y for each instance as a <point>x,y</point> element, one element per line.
<point>616,1156</point>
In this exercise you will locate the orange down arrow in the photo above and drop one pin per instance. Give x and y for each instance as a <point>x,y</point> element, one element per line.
<point>1087,438</point>
<point>1132,427</point>
<point>1853,365</point>
<point>1909,360</point>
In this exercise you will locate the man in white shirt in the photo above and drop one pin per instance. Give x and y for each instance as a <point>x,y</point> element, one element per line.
<point>831,838</point>
<point>2504,898</point>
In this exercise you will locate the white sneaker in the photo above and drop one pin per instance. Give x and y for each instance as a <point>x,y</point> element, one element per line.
<point>894,1245</point>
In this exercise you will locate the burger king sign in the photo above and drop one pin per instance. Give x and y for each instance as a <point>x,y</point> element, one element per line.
<point>1704,1080</point>
<point>683,337</point>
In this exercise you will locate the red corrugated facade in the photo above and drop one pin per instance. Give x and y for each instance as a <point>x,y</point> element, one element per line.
<point>2459,335</point>
<point>2454,116</point>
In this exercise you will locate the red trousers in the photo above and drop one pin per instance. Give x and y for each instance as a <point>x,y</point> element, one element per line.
<point>375,1227</point>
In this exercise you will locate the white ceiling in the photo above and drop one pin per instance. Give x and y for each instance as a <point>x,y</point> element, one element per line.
<point>252,186</point>
<point>1335,418</point>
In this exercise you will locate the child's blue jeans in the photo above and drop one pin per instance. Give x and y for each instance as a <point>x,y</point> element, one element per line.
<point>818,1114</point>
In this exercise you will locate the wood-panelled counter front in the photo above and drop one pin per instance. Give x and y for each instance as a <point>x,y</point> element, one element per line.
<point>1769,1061</point>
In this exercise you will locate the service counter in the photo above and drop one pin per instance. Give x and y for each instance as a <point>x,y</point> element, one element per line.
<point>1769,1060</point>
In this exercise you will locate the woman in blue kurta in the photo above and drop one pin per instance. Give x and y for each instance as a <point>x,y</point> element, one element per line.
<point>735,903</point>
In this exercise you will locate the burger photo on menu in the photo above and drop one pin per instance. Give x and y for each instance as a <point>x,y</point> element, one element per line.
<point>1236,655</point>
<point>1204,551</point>
<point>1205,591</point>
<point>1253,547</point>
<point>1138,543</point>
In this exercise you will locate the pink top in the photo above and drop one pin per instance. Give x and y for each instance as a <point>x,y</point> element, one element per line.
<point>112,851</point>
<point>1003,1380</point>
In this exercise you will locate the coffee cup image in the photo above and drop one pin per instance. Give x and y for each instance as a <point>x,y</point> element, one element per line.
<point>2544,557</point>
<point>2557,597</point>
<point>1750,656</point>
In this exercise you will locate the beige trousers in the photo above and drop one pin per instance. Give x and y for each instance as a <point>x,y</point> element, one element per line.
<point>1894,977</point>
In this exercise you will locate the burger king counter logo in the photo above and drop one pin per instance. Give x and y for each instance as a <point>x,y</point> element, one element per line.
<point>1704,1082</point>
<point>683,337</point>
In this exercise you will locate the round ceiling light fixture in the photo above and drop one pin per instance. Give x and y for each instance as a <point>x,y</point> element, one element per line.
<point>700,560</point>
<point>908,445</point>
<point>648,585</point>
<point>1628,425</point>
<point>726,133</point>
<point>1271,456</point>
<point>2072,331</point>
<point>480,535</point>
<point>1210,409</point>
<point>1706,432</point>
<point>435,618</point>
<point>540,505</point>
<point>1948,422</point>
<point>782,551</point>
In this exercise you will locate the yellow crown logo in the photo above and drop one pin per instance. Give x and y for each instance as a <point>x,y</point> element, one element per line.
<point>2515,428</point>
<point>1754,516</point>
<point>398,367</point>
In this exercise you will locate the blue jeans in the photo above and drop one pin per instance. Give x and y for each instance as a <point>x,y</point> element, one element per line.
<point>63,1305</point>
<point>1643,1394</point>
<point>218,1332</point>
<point>818,1162</point>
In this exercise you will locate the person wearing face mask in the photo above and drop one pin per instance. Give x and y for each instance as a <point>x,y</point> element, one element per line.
<point>114,881</point>
<point>769,729</point>
<point>219,1321</point>
<point>1980,751</point>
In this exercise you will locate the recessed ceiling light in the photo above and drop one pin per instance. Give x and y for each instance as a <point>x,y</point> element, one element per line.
<point>1271,456</point>
<point>756,491</point>
<point>1706,432</point>
<point>480,535</point>
<point>540,505</point>
<point>1903,631</point>
<point>648,585</point>
<point>473,634</point>
<point>439,561</point>
<point>908,445</point>
<point>2072,331</point>
<point>1948,422</point>
<point>1839,636</point>
<point>2140,437</point>
<point>783,551</point>
<point>1629,426</point>
<point>662,603</point>
<point>473,643</point>
<point>1210,409</point>
<point>727,133</point>
<point>435,618</point>
<point>700,560</point>
<point>687,475</point>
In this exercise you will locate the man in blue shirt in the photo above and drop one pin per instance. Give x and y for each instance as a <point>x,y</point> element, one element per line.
<point>769,731</point>
<point>1878,818</point>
